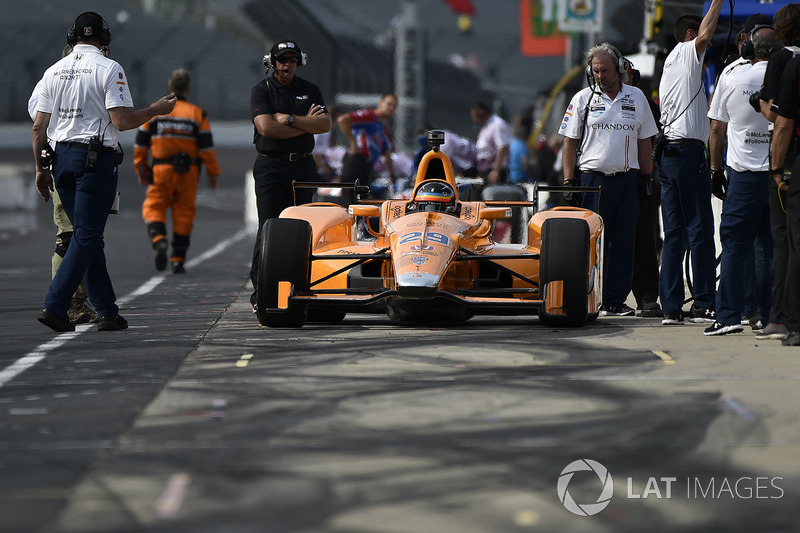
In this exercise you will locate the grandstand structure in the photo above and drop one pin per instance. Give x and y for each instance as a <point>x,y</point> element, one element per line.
<point>350,44</point>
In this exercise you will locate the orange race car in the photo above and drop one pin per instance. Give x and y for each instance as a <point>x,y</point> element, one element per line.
<point>431,259</point>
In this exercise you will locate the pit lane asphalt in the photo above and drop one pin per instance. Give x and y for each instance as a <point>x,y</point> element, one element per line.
<point>195,419</point>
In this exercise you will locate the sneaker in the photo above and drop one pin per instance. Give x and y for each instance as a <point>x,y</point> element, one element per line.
<point>718,329</point>
<point>701,315</point>
<point>111,323</point>
<point>160,246</point>
<point>177,267</point>
<point>792,339</point>
<point>617,310</point>
<point>80,312</point>
<point>772,332</point>
<point>55,322</point>
<point>756,323</point>
<point>651,310</point>
<point>673,319</point>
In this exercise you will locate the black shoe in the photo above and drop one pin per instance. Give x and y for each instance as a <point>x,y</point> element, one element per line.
<point>55,322</point>
<point>177,267</point>
<point>792,339</point>
<point>651,309</point>
<point>701,315</point>
<point>617,310</point>
<point>160,246</point>
<point>718,329</point>
<point>673,319</point>
<point>111,323</point>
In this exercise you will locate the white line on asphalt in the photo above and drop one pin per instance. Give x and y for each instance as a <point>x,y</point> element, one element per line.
<point>30,359</point>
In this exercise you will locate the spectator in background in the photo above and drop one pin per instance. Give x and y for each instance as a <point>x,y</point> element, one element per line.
<point>494,141</point>
<point>321,151</point>
<point>746,205</point>
<point>368,138</point>
<point>180,143</point>
<point>787,31</point>
<point>683,171</point>
<point>607,130</point>
<point>520,157</point>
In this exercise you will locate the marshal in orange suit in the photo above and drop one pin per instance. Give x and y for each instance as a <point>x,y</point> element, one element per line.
<point>179,144</point>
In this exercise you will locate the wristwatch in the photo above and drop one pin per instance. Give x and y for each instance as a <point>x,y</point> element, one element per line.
<point>291,120</point>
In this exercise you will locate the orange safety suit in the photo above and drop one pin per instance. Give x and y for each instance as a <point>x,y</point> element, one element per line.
<point>179,143</point>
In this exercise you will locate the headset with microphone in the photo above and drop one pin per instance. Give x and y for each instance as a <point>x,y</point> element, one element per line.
<point>624,67</point>
<point>748,50</point>
<point>105,34</point>
<point>281,47</point>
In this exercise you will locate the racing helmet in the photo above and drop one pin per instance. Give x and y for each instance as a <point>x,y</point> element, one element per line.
<point>435,195</point>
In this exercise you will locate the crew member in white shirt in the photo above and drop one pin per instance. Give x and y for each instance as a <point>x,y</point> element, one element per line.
<point>745,211</point>
<point>683,171</point>
<point>607,129</point>
<point>83,105</point>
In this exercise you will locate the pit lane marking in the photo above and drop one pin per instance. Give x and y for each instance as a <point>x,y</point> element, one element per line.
<point>40,352</point>
<point>244,360</point>
<point>664,356</point>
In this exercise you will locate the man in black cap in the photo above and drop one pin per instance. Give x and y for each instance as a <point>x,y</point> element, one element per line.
<point>287,111</point>
<point>83,105</point>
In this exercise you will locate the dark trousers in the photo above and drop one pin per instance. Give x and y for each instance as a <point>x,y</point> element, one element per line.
<point>791,301</point>
<point>687,216</point>
<point>87,196</point>
<point>619,206</point>
<point>646,244</point>
<point>780,252</point>
<point>273,185</point>
<point>745,209</point>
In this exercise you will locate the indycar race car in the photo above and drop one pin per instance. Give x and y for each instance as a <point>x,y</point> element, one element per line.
<point>428,259</point>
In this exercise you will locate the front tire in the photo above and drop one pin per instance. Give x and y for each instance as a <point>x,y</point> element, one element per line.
<point>285,256</point>
<point>564,256</point>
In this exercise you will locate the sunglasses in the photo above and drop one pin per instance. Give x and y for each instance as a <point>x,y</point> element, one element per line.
<point>287,59</point>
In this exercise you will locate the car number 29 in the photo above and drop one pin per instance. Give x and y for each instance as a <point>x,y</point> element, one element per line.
<point>430,236</point>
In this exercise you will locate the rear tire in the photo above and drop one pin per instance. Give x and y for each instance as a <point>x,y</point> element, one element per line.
<point>565,256</point>
<point>285,253</point>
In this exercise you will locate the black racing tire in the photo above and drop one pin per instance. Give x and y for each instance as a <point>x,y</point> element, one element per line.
<point>285,256</point>
<point>564,255</point>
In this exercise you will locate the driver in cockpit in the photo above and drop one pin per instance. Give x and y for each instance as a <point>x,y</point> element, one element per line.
<point>434,196</point>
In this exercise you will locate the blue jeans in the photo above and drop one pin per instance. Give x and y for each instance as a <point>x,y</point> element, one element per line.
<point>87,196</point>
<point>618,205</point>
<point>744,212</point>
<point>688,219</point>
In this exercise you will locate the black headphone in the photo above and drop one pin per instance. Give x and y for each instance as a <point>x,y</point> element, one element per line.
<point>269,59</point>
<point>748,48</point>
<point>623,66</point>
<point>105,34</point>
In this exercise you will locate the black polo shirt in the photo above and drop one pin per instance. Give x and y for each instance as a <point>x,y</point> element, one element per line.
<point>270,96</point>
<point>772,77</point>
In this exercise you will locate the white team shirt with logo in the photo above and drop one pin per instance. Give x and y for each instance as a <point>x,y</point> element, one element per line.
<point>684,106</point>
<point>78,91</point>
<point>494,135</point>
<point>613,128</point>
<point>748,131</point>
